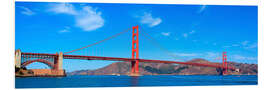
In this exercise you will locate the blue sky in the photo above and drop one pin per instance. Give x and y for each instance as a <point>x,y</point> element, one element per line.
<point>186,31</point>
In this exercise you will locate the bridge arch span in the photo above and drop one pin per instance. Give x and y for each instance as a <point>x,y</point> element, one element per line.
<point>48,63</point>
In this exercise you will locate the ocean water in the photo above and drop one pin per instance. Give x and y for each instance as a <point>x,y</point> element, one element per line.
<point>127,81</point>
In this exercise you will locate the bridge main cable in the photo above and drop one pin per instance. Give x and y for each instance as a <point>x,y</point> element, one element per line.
<point>113,36</point>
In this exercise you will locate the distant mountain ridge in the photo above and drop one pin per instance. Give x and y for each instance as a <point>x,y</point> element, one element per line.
<point>123,68</point>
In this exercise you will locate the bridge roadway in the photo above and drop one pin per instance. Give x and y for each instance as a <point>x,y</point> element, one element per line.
<point>129,60</point>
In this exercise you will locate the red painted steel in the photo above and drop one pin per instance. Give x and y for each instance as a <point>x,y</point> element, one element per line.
<point>134,59</point>
<point>135,50</point>
<point>142,60</point>
<point>130,59</point>
<point>51,65</point>
<point>39,54</point>
<point>224,62</point>
<point>41,57</point>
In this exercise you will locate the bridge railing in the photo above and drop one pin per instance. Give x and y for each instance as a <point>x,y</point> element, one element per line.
<point>35,56</point>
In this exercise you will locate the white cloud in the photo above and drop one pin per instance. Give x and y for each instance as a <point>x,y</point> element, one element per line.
<point>202,8</point>
<point>205,55</point>
<point>185,35</point>
<point>86,17</point>
<point>216,56</point>
<point>67,29</point>
<point>185,54</point>
<point>248,45</point>
<point>235,45</point>
<point>64,31</point>
<point>148,19</point>
<point>244,43</point>
<point>166,33</point>
<point>254,45</point>
<point>227,46</point>
<point>27,11</point>
<point>63,8</point>
<point>89,19</point>
<point>239,57</point>
<point>211,55</point>
<point>193,31</point>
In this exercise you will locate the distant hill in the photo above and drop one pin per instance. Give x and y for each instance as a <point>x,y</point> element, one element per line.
<point>123,68</point>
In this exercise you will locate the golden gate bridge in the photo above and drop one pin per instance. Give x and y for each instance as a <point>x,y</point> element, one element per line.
<point>55,61</point>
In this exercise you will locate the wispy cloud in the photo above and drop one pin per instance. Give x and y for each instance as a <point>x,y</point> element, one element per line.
<point>86,17</point>
<point>213,56</point>
<point>202,8</point>
<point>185,54</point>
<point>218,56</point>
<point>254,45</point>
<point>166,33</point>
<point>205,55</point>
<point>244,44</point>
<point>192,32</point>
<point>65,30</point>
<point>227,46</point>
<point>185,35</point>
<point>235,45</point>
<point>63,8</point>
<point>249,45</point>
<point>149,20</point>
<point>239,57</point>
<point>26,11</point>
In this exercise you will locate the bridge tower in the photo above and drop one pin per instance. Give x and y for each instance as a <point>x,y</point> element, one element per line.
<point>18,58</point>
<point>224,63</point>
<point>135,51</point>
<point>58,61</point>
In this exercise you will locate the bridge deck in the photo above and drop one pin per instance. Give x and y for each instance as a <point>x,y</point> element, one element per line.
<point>141,60</point>
<point>129,60</point>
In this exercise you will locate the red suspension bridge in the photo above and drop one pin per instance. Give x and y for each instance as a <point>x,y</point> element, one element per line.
<point>55,61</point>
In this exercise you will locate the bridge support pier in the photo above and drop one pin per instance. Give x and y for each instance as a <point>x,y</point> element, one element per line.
<point>60,61</point>
<point>58,65</point>
<point>135,68</point>
<point>18,58</point>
